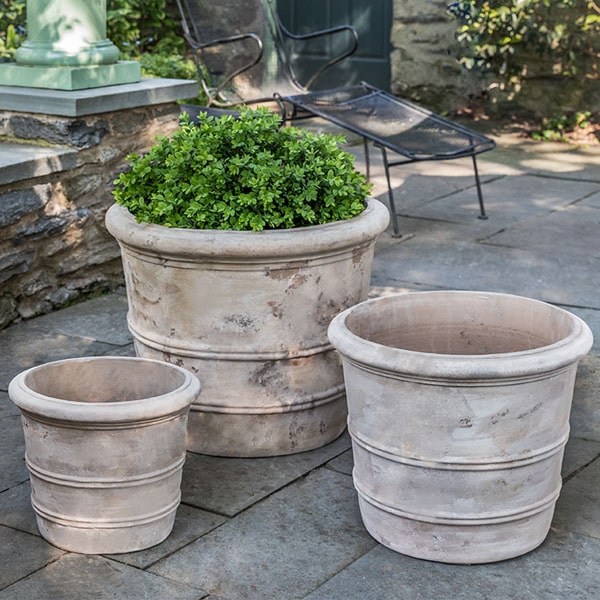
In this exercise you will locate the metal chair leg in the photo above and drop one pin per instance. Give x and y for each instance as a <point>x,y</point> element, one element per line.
<point>482,214</point>
<point>367,158</point>
<point>394,216</point>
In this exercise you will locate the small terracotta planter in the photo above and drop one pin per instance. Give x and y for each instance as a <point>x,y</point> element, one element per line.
<point>105,447</point>
<point>459,409</point>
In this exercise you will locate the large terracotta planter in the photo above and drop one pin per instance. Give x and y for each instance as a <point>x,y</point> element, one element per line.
<point>459,409</point>
<point>248,313</point>
<point>105,447</point>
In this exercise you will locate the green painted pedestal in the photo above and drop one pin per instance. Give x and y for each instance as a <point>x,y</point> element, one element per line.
<point>70,78</point>
<point>67,49</point>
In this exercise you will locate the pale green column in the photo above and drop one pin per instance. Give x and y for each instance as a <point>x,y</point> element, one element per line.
<point>67,49</point>
<point>66,33</point>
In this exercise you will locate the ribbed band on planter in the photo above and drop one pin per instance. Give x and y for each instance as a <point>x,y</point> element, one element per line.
<point>459,408</point>
<point>105,447</point>
<point>248,313</point>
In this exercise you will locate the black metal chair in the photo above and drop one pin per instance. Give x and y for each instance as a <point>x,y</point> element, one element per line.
<point>229,39</point>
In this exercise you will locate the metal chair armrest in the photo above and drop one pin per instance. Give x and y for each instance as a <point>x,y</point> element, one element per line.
<point>214,92</point>
<point>231,39</point>
<point>283,31</point>
<point>324,32</point>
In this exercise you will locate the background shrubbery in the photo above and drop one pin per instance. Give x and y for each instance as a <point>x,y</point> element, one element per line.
<point>502,36</point>
<point>12,27</point>
<point>145,26</point>
<point>135,26</point>
<point>545,50</point>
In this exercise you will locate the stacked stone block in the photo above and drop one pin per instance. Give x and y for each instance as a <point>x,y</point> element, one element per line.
<point>54,247</point>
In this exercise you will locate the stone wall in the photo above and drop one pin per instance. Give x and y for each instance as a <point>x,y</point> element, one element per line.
<point>424,67</point>
<point>423,63</point>
<point>54,247</point>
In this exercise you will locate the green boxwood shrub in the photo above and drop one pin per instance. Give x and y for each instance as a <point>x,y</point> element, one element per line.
<point>244,173</point>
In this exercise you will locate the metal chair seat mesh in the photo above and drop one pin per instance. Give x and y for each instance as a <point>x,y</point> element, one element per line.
<point>397,124</point>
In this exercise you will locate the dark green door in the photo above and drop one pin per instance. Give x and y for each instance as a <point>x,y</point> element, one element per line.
<point>372,20</point>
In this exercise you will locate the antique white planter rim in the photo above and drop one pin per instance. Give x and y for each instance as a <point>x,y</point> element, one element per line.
<point>220,244</point>
<point>27,398</point>
<point>421,364</point>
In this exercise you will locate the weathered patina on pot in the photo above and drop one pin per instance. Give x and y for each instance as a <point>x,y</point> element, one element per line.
<point>105,447</point>
<point>248,313</point>
<point>459,409</point>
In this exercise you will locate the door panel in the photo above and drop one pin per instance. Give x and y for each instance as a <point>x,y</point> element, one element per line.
<point>372,20</point>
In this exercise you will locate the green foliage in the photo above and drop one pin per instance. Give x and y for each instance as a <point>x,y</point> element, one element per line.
<point>245,173</point>
<point>167,65</point>
<point>499,36</point>
<point>12,27</point>
<point>172,67</point>
<point>555,129</point>
<point>149,30</point>
<point>138,26</point>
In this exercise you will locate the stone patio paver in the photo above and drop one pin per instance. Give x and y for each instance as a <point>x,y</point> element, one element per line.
<point>80,577</point>
<point>103,319</point>
<point>571,229</point>
<point>508,200</point>
<point>16,510</point>
<point>585,411</point>
<point>7,408</point>
<point>470,266</point>
<point>190,524</point>
<point>28,350</point>
<point>230,485</point>
<point>578,507</point>
<point>565,566</point>
<point>282,547</point>
<point>12,453</point>
<point>22,554</point>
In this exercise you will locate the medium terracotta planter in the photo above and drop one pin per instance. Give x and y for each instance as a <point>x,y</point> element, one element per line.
<point>105,447</point>
<point>459,409</point>
<point>248,313</point>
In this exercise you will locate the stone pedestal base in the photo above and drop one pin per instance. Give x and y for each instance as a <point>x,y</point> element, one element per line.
<point>70,78</point>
